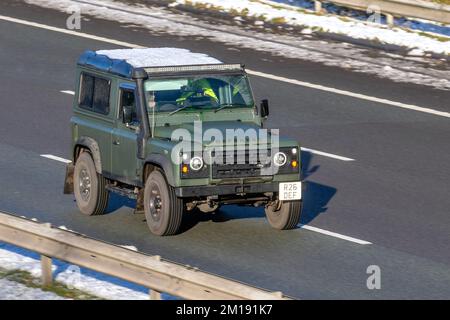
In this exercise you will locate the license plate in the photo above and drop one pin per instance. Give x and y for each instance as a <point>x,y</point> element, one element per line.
<point>290,191</point>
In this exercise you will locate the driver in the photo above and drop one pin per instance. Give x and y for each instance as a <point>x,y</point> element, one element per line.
<point>202,85</point>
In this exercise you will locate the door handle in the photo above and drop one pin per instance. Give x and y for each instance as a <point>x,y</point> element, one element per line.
<point>116,142</point>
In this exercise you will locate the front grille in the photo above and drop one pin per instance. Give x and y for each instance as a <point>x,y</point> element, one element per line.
<point>222,171</point>
<point>240,164</point>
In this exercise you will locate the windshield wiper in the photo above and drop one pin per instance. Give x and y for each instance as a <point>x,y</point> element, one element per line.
<point>226,105</point>
<point>184,107</point>
<point>179,109</point>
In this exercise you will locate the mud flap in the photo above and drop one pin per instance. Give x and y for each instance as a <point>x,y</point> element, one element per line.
<point>139,202</point>
<point>68,181</point>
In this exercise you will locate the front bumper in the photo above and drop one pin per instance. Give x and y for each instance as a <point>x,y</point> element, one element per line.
<point>226,189</point>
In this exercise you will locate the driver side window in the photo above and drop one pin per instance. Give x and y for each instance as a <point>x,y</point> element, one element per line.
<point>127,107</point>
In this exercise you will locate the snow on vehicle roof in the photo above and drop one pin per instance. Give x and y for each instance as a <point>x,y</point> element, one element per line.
<point>159,57</point>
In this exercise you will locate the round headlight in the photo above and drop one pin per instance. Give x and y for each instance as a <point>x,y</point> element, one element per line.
<point>196,163</point>
<point>279,159</point>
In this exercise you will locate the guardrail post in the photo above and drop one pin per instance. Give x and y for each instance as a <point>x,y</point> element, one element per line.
<point>46,270</point>
<point>155,295</point>
<point>317,6</point>
<point>389,19</point>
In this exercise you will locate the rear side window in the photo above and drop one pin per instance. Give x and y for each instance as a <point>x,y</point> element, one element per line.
<point>86,91</point>
<point>94,93</point>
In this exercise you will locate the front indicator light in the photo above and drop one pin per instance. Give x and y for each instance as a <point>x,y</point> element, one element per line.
<point>184,168</point>
<point>294,163</point>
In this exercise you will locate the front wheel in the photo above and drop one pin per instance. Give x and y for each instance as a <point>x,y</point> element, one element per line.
<point>163,209</point>
<point>284,215</point>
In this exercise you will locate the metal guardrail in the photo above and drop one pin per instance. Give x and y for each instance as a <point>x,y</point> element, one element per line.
<point>421,9</point>
<point>149,271</point>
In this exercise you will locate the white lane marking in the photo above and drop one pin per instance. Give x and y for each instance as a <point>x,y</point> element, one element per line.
<point>326,154</point>
<point>71,32</point>
<point>72,93</point>
<point>334,234</point>
<point>50,156</point>
<point>350,94</point>
<point>253,72</point>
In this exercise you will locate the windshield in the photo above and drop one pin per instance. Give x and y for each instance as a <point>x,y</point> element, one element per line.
<point>198,92</point>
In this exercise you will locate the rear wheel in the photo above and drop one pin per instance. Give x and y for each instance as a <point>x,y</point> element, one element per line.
<point>284,215</point>
<point>163,209</point>
<point>89,187</point>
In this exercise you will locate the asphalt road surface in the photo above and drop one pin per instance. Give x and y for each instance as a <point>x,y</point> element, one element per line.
<point>394,196</point>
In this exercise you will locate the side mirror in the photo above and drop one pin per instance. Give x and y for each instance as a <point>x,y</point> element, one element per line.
<point>264,108</point>
<point>127,114</point>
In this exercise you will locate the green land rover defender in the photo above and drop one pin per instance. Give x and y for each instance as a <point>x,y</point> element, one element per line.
<point>176,131</point>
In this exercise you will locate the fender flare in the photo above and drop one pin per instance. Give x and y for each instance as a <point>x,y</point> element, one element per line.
<point>92,145</point>
<point>163,162</point>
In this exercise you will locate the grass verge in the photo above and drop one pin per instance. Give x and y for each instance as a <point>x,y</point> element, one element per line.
<point>58,288</point>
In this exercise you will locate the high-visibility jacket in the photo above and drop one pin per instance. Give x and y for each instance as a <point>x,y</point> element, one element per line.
<point>204,85</point>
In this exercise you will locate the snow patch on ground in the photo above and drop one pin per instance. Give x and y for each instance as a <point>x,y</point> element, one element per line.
<point>352,28</point>
<point>11,290</point>
<point>94,283</point>
<point>416,52</point>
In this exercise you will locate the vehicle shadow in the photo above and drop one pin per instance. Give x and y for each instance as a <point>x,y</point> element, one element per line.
<point>316,197</point>
<point>115,202</point>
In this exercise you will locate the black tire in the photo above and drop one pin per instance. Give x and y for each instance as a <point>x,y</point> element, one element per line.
<point>163,209</point>
<point>287,217</point>
<point>89,187</point>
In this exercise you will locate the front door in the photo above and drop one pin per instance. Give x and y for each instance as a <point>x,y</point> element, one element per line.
<point>124,147</point>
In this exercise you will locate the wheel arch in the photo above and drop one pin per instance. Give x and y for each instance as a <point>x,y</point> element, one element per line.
<point>158,161</point>
<point>87,143</point>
